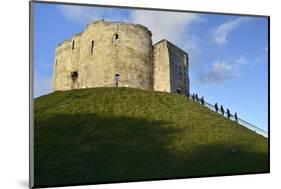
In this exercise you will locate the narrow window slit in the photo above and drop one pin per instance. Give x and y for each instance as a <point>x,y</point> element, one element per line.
<point>92,47</point>
<point>73,43</point>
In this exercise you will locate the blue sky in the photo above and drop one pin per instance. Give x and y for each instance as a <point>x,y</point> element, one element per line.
<point>228,54</point>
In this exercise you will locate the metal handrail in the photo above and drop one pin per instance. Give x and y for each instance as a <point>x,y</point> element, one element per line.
<point>239,120</point>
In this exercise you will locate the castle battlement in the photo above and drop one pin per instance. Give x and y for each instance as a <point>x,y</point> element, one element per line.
<point>94,57</point>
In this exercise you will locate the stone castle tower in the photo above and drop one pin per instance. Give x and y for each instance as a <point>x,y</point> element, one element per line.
<point>105,51</point>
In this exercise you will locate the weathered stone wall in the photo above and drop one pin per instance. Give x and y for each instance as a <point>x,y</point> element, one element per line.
<point>98,54</point>
<point>161,67</point>
<point>103,49</point>
<point>62,66</point>
<point>178,69</point>
<point>170,68</point>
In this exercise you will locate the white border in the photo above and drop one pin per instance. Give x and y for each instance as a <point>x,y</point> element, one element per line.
<point>15,93</point>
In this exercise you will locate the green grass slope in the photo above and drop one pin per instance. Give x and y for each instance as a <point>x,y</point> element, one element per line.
<point>121,134</point>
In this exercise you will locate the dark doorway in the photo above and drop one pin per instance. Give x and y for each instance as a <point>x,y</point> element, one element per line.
<point>179,90</point>
<point>115,39</point>
<point>74,79</point>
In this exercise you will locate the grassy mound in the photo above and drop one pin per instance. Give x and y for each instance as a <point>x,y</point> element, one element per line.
<point>109,135</point>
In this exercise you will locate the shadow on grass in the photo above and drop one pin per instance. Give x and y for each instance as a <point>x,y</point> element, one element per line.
<point>75,149</point>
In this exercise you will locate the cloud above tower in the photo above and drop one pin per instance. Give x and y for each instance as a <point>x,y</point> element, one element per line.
<point>221,32</point>
<point>84,15</point>
<point>173,26</point>
<point>165,25</point>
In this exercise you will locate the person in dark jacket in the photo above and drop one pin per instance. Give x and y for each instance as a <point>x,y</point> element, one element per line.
<point>202,100</point>
<point>196,97</point>
<point>216,107</point>
<point>228,113</point>
<point>193,97</point>
<point>222,110</point>
<point>236,117</point>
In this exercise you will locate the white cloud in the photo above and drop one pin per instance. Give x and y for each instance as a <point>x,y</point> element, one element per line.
<point>221,33</point>
<point>173,26</point>
<point>85,15</point>
<point>242,60</point>
<point>220,72</point>
<point>165,25</point>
